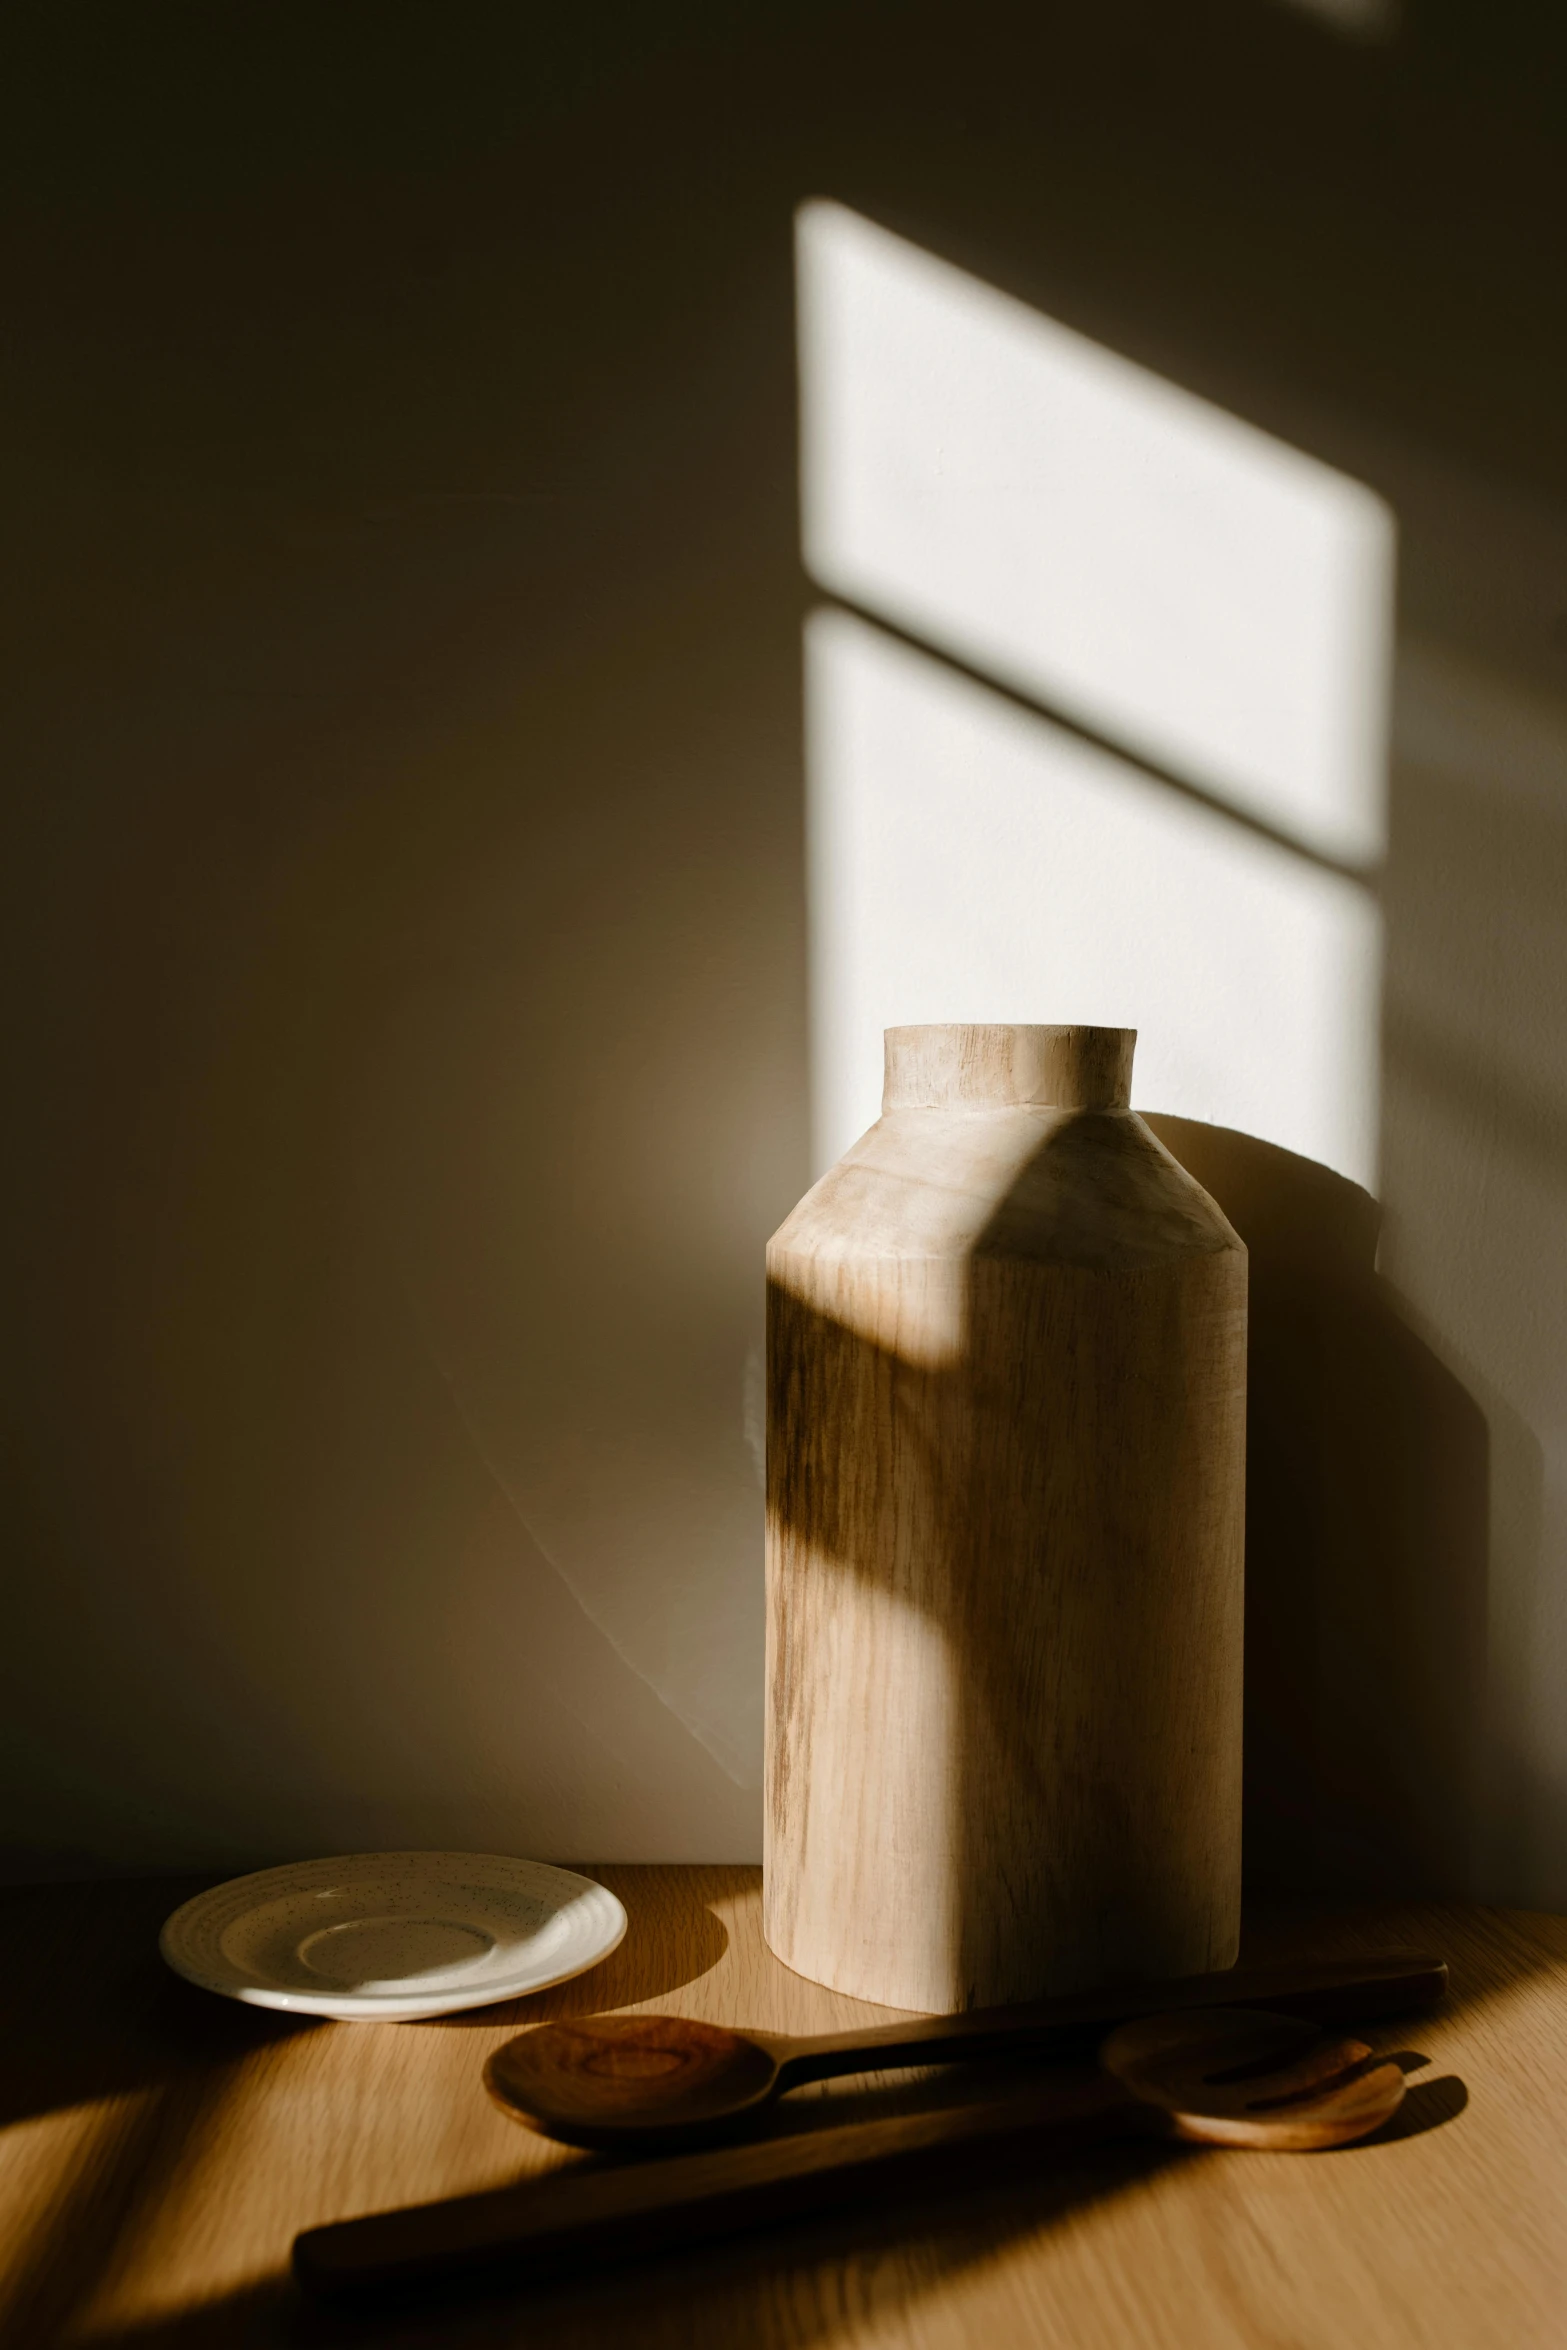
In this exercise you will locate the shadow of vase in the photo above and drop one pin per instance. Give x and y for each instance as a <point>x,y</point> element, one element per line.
<point>1366,1544</point>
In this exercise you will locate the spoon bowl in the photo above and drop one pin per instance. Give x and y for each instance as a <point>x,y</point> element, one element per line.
<point>1233,2077</point>
<point>581,2080</point>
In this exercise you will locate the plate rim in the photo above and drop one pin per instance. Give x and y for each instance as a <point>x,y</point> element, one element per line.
<point>359,2007</point>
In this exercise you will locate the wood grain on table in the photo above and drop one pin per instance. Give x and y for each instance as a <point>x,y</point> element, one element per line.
<point>159,2149</point>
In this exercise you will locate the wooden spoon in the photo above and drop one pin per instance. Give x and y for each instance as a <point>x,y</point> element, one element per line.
<point>644,2081</point>
<point>1222,2077</point>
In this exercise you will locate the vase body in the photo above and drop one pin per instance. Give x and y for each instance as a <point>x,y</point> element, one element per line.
<point>1006,1432</point>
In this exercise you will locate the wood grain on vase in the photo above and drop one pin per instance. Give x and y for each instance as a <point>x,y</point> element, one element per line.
<point>1006,1430</point>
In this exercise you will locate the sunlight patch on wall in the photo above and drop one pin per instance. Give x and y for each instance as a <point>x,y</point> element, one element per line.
<point>1072,524</point>
<point>971,862</point>
<point>1196,594</point>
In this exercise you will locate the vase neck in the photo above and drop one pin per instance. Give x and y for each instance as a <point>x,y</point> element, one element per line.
<point>979,1066</point>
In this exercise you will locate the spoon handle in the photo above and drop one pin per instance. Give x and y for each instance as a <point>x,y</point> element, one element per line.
<point>1395,1982</point>
<point>579,2217</point>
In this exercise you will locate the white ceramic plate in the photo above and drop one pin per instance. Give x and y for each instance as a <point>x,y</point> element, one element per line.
<point>384,1936</point>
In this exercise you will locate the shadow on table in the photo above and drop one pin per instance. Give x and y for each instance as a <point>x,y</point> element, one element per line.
<point>107,2020</point>
<point>666,1947</point>
<point>101,2021</point>
<point>1427,2106</point>
<point>104,2016</point>
<point>873,2263</point>
<point>863,2265</point>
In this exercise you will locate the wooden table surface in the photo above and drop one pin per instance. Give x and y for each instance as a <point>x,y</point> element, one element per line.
<point>160,2147</point>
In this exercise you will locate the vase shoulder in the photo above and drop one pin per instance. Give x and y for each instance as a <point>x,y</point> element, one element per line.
<point>1093,1189</point>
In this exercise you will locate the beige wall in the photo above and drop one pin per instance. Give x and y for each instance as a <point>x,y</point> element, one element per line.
<point>406,1020</point>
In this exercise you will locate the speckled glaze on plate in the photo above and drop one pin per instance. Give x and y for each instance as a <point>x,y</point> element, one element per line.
<point>385,1937</point>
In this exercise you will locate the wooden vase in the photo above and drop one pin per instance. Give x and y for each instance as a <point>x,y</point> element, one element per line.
<point>1005,1486</point>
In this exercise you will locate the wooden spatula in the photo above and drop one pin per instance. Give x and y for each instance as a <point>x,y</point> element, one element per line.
<point>1225,2077</point>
